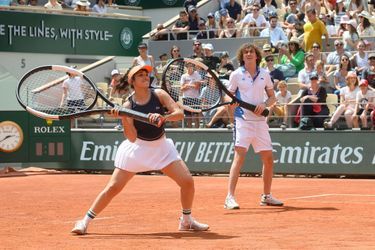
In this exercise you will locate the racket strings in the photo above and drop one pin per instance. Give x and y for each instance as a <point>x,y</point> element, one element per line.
<point>80,95</point>
<point>200,91</point>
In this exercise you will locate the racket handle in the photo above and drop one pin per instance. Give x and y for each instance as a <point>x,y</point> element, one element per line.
<point>265,112</point>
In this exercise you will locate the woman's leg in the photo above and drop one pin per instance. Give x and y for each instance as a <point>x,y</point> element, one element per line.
<point>349,117</point>
<point>117,182</point>
<point>179,172</point>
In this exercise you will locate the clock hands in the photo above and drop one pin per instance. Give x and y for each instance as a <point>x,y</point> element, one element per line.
<point>6,137</point>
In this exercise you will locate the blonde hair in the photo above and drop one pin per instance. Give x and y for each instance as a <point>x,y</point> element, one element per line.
<point>319,62</point>
<point>282,84</point>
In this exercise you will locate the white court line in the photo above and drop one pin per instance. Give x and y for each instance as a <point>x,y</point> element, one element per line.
<point>323,195</point>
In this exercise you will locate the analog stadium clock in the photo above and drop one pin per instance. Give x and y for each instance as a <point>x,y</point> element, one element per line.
<point>11,136</point>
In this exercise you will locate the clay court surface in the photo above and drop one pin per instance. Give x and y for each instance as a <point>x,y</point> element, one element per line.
<point>39,210</point>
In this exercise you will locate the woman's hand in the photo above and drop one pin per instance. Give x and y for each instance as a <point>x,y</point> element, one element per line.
<point>156,118</point>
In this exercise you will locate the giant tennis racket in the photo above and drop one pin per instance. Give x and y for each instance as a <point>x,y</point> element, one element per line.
<point>203,93</point>
<point>41,92</point>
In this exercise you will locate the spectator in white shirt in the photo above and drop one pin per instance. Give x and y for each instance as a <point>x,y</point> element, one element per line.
<point>274,32</point>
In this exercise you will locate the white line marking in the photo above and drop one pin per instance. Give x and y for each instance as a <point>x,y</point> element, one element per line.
<point>323,195</point>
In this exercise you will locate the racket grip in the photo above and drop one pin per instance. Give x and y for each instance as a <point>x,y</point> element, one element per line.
<point>265,112</point>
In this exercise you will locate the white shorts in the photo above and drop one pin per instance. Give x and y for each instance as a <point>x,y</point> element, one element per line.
<point>255,133</point>
<point>142,156</point>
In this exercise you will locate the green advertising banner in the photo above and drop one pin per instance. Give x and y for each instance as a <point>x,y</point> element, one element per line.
<point>63,34</point>
<point>295,152</point>
<point>154,4</point>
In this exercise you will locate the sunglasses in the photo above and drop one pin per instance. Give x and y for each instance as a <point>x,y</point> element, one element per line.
<point>255,9</point>
<point>339,44</point>
<point>291,4</point>
<point>344,60</point>
<point>316,47</point>
<point>269,60</point>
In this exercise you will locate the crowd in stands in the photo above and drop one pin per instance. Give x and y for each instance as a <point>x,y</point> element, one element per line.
<point>98,6</point>
<point>298,52</point>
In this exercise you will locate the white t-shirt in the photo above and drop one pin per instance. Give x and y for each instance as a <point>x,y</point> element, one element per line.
<point>249,90</point>
<point>190,79</point>
<point>350,96</point>
<point>259,20</point>
<point>283,99</point>
<point>363,99</point>
<point>73,86</point>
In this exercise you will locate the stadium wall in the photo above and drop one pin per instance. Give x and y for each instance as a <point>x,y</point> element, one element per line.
<point>54,145</point>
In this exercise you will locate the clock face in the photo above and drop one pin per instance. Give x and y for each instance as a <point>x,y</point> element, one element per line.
<point>11,136</point>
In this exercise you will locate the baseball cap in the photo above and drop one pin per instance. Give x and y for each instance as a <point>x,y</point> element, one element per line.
<point>191,8</point>
<point>363,82</point>
<point>267,47</point>
<point>314,75</point>
<point>210,14</point>
<point>201,22</point>
<point>208,46</point>
<point>115,72</point>
<point>223,12</point>
<point>353,23</point>
<point>142,45</point>
<point>371,55</point>
<point>137,68</point>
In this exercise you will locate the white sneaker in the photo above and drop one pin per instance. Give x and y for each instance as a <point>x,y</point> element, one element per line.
<point>230,203</point>
<point>80,228</point>
<point>269,200</point>
<point>192,225</point>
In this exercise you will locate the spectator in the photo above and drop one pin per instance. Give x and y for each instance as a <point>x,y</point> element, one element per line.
<point>274,32</point>
<point>225,67</point>
<point>190,85</point>
<point>276,75</point>
<point>292,57</point>
<point>248,5</point>
<point>317,53</point>
<point>313,101</point>
<point>197,50</point>
<point>323,80</point>
<point>161,33</point>
<point>21,3</point>
<point>314,29</point>
<point>234,10</point>
<point>230,30</point>
<point>100,7</point>
<point>193,20</point>
<point>283,97</point>
<point>369,73</point>
<point>188,3</point>
<point>355,7</point>
<point>268,9</point>
<point>145,59</point>
<point>350,36</point>
<point>347,102</point>
<point>260,20</point>
<point>364,27</point>
<point>209,59</point>
<point>211,24</point>
<point>293,19</point>
<point>53,5</point>
<point>267,50</point>
<point>364,104</point>
<point>33,3</point>
<point>223,15</point>
<point>204,33</point>
<point>115,79</point>
<point>341,73</point>
<point>174,53</point>
<point>181,26</point>
<point>163,62</point>
<point>341,26</point>
<point>82,5</point>
<point>333,58</point>
<point>304,75</point>
<point>359,61</point>
<point>310,5</point>
<point>251,30</point>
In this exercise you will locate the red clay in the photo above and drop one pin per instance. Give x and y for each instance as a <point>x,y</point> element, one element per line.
<point>38,212</point>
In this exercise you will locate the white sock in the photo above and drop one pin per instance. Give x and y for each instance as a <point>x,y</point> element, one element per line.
<point>186,215</point>
<point>90,215</point>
